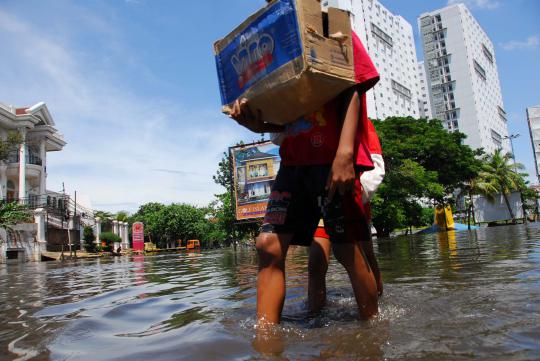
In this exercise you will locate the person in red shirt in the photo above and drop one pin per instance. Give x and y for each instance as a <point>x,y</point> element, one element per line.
<point>319,243</point>
<point>322,155</point>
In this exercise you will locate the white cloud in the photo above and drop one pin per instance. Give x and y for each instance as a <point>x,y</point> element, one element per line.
<point>477,4</point>
<point>124,148</point>
<point>531,43</point>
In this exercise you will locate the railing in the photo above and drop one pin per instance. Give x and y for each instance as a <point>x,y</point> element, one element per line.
<point>31,158</point>
<point>56,204</point>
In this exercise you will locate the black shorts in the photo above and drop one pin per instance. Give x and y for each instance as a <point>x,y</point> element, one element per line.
<point>298,201</point>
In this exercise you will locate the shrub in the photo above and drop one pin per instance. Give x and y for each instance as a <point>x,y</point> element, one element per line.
<point>88,236</point>
<point>90,247</point>
<point>109,238</point>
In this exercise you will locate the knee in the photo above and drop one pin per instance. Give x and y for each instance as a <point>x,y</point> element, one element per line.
<point>269,249</point>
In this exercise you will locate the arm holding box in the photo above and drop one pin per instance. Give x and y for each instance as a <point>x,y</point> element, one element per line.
<point>342,174</point>
<point>242,113</point>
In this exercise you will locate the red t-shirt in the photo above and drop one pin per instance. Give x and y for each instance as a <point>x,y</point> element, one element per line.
<point>314,139</point>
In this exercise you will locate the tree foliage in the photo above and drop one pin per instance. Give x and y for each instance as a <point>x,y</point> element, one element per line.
<point>165,223</point>
<point>10,144</point>
<point>12,213</point>
<point>88,236</point>
<point>423,162</point>
<point>502,176</point>
<point>225,205</point>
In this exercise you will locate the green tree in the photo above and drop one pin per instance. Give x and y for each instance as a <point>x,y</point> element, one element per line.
<point>89,238</point>
<point>148,214</point>
<point>121,216</point>
<point>13,213</point>
<point>110,238</point>
<point>225,205</point>
<point>104,215</point>
<point>7,146</point>
<point>503,176</point>
<point>530,198</point>
<point>479,185</point>
<point>422,161</point>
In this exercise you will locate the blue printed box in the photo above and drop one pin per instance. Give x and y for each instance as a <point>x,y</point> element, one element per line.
<point>287,59</point>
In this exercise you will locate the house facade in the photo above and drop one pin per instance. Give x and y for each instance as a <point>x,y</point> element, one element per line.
<point>23,176</point>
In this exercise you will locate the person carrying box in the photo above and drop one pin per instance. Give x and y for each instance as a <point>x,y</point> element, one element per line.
<point>322,154</point>
<point>319,243</point>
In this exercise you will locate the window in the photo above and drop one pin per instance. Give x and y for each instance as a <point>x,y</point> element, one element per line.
<point>401,89</point>
<point>502,114</point>
<point>487,53</point>
<point>496,137</point>
<point>479,70</point>
<point>381,35</point>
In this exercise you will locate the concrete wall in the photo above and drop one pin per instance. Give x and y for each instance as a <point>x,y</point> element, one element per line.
<point>25,242</point>
<point>486,211</point>
<point>58,237</point>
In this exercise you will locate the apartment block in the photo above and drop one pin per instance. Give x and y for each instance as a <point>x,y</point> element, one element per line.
<point>389,40</point>
<point>424,101</point>
<point>533,118</point>
<point>462,77</point>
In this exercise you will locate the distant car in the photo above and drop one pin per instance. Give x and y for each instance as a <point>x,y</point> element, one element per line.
<point>193,244</point>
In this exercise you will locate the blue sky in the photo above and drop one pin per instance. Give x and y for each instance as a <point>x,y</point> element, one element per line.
<point>132,86</point>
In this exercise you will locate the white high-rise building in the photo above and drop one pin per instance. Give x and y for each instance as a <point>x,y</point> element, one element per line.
<point>424,102</point>
<point>389,40</point>
<point>533,118</point>
<point>463,79</point>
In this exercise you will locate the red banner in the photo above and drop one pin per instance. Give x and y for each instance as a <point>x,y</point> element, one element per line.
<point>138,236</point>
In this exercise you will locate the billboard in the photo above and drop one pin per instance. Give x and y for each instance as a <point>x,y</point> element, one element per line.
<point>254,169</point>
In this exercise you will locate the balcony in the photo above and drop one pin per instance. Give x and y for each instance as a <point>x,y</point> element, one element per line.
<point>31,158</point>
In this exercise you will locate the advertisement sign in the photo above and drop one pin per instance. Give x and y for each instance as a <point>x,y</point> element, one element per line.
<point>254,169</point>
<point>138,236</point>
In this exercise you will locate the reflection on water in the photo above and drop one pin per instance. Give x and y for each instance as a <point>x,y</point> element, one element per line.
<point>448,296</point>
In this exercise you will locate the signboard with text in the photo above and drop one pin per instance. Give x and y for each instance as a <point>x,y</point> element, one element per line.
<point>255,167</point>
<point>138,236</point>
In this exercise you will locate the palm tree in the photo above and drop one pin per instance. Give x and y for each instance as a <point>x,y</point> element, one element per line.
<point>503,176</point>
<point>479,185</point>
<point>122,216</point>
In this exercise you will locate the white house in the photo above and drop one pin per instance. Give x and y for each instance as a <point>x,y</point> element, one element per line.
<point>23,175</point>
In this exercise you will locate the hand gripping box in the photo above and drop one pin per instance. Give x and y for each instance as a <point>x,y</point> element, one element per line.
<point>288,59</point>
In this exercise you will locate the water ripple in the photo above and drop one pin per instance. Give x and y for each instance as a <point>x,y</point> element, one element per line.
<point>455,296</point>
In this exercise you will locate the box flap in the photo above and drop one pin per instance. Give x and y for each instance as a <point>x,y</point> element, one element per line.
<point>339,21</point>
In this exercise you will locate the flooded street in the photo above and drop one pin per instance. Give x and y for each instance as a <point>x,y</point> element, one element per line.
<point>456,296</point>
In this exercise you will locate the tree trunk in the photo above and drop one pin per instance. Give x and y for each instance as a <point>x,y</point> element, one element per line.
<point>509,207</point>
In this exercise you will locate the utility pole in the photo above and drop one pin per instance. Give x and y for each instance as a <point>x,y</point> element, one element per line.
<point>511,138</point>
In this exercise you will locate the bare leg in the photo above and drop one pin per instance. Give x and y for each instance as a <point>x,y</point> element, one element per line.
<point>367,248</point>
<point>319,255</point>
<point>362,279</point>
<point>272,249</point>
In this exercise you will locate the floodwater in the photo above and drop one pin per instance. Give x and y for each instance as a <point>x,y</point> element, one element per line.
<point>461,296</point>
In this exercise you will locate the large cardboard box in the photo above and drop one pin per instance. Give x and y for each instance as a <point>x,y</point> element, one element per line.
<point>288,59</point>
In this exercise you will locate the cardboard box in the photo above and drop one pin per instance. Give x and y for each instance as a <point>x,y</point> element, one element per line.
<point>288,59</point>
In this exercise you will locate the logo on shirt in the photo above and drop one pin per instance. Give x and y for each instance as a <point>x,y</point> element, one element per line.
<point>306,124</point>
<point>317,139</point>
